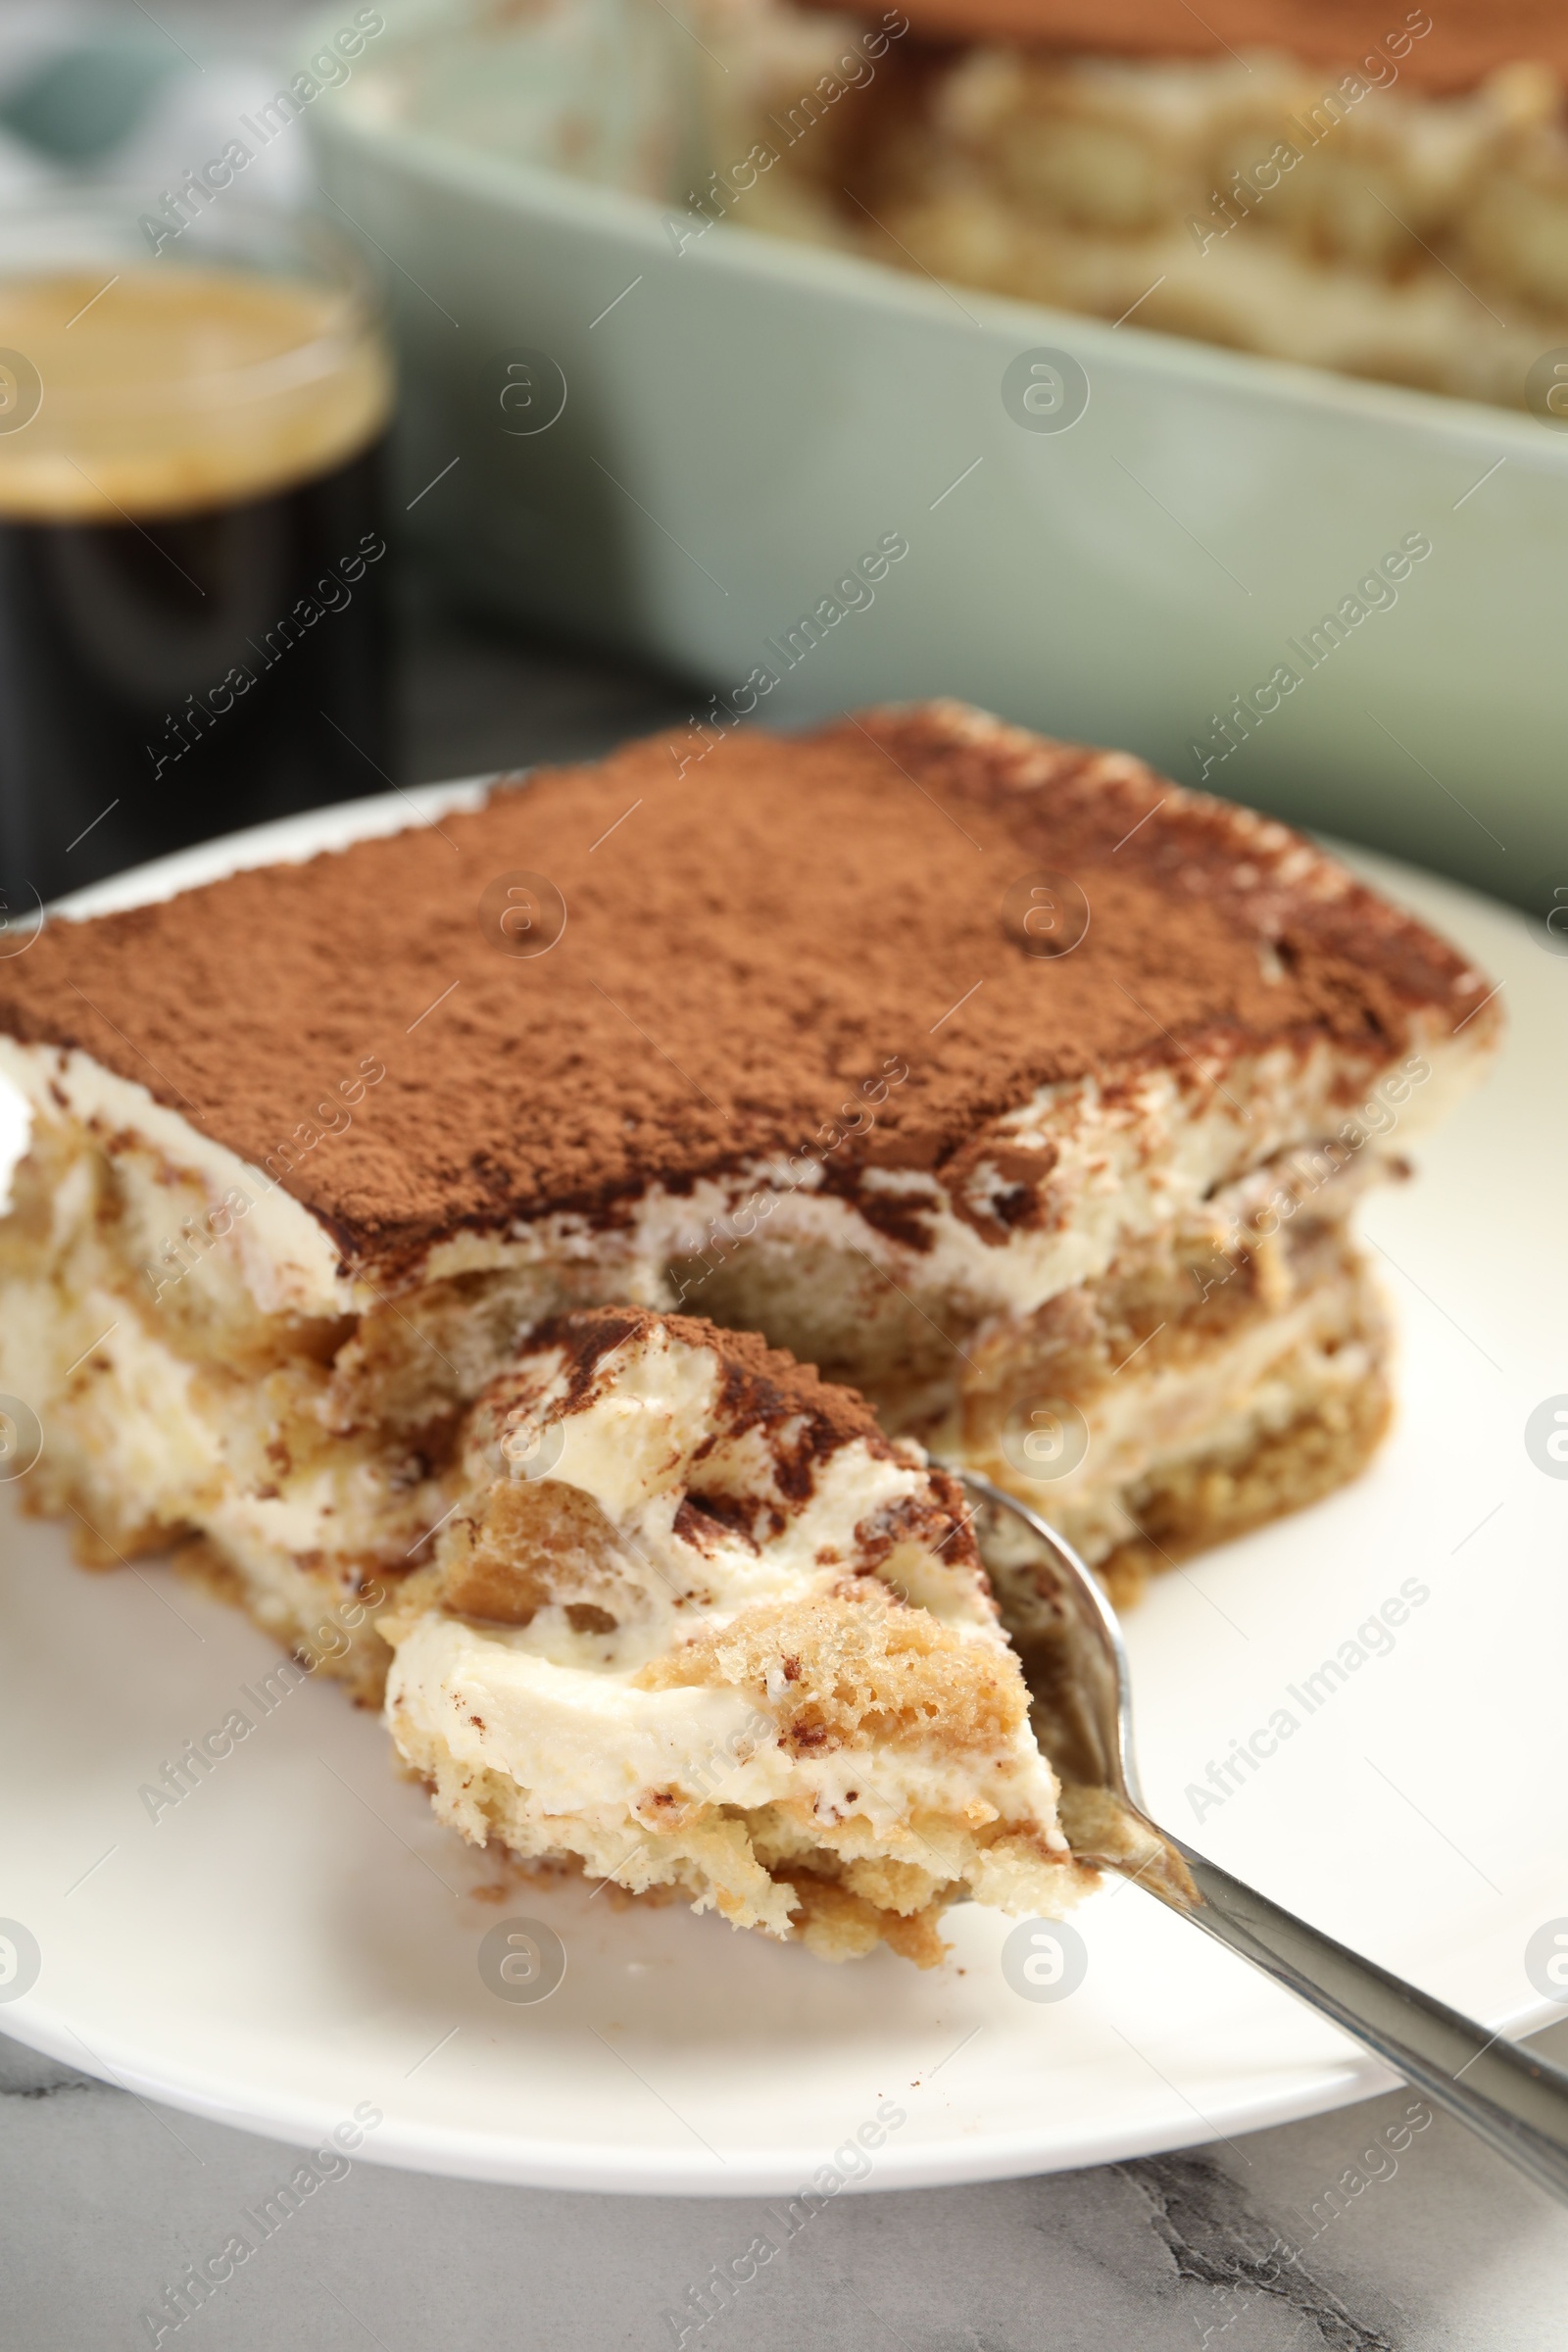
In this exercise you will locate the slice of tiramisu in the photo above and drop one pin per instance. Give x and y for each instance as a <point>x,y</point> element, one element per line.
<point>999,1078</point>
<point>696,1621</point>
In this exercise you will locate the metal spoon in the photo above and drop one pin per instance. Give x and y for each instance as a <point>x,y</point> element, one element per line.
<point>1074,1659</point>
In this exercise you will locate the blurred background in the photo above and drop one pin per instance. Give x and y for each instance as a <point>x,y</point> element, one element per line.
<point>674,366</point>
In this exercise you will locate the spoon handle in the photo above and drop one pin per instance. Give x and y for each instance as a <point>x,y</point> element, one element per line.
<point>1515,2101</point>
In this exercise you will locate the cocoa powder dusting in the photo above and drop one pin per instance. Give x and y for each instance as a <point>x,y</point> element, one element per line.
<point>771,937</point>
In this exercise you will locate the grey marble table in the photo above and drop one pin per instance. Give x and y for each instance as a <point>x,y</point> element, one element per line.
<point>105,2198</point>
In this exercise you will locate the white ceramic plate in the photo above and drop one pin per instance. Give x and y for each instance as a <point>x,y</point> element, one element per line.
<point>297,1937</point>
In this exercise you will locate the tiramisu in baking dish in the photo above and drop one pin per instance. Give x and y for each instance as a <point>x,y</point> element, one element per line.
<point>1000,1079</point>
<point>1381,192</point>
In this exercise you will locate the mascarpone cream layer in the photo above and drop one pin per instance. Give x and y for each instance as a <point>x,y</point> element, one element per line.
<point>581,1742</point>
<point>1120,1164</point>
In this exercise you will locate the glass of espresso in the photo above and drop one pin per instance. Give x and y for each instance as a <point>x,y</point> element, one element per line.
<point>193,572</point>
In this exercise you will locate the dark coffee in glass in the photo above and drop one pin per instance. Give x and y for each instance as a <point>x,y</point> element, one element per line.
<point>194,570</point>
